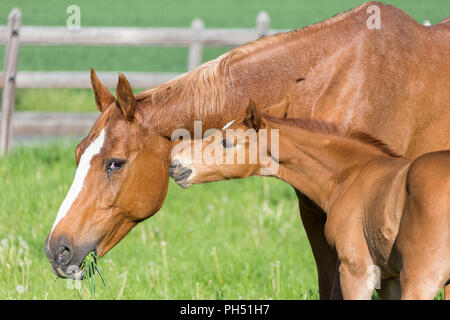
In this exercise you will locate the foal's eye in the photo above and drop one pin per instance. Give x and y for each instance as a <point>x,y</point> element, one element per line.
<point>114,164</point>
<point>227,144</point>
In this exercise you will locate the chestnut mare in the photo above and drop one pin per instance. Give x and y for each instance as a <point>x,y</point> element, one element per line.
<point>383,211</point>
<point>391,82</point>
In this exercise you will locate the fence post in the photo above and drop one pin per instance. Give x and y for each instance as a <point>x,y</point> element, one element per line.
<point>262,24</point>
<point>9,83</point>
<point>196,48</point>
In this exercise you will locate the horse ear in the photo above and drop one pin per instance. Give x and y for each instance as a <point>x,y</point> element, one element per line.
<point>103,98</point>
<point>279,110</point>
<point>253,117</point>
<point>125,97</point>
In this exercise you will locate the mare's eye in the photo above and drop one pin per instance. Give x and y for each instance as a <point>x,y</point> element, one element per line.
<point>114,164</point>
<point>227,144</point>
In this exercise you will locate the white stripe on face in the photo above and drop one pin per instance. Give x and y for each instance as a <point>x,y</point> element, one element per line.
<point>228,124</point>
<point>80,175</point>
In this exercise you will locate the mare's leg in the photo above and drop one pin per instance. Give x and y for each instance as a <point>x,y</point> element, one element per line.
<point>313,219</point>
<point>390,289</point>
<point>447,292</point>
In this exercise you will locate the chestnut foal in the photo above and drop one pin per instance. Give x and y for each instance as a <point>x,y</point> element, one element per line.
<point>384,212</point>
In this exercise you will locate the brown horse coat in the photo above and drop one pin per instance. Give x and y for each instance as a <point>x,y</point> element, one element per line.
<point>387,216</point>
<point>391,82</point>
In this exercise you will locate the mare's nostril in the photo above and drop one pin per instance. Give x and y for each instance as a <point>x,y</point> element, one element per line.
<point>64,256</point>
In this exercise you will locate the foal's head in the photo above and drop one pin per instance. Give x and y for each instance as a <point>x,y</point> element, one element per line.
<point>241,149</point>
<point>121,180</point>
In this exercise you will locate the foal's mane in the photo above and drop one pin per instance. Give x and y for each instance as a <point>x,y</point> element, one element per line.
<point>319,126</point>
<point>205,89</point>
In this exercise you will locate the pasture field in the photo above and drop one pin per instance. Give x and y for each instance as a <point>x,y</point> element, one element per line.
<point>230,240</point>
<point>226,240</point>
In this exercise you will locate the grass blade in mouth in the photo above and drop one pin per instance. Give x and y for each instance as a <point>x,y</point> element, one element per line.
<point>91,268</point>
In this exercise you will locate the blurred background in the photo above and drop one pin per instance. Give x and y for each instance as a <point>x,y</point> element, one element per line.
<point>227,240</point>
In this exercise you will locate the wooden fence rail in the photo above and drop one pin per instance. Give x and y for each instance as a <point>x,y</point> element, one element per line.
<point>74,79</point>
<point>129,36</point>
<point>9,78</point>
<point>195,37</point>
<point>30,123</point>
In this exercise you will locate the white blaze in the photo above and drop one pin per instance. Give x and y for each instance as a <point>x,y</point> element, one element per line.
<point>80,175</point>
<point>228,125</point>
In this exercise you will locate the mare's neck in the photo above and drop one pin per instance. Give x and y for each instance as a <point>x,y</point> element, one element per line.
<point>266,71</point>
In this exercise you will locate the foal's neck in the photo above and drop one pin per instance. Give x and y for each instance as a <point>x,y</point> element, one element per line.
<point>319,163</point>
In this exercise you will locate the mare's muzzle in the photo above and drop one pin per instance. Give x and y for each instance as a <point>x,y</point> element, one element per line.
<point>64,258</point>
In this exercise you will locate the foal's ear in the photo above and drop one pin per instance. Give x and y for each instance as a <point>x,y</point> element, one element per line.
<point>103,98</point>
<point>253,117</point>
<point>125,97</point>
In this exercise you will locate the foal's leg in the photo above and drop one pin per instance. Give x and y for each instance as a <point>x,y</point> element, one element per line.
<point>425,267</point>
<point>327,263</point>
<point>423,239</point>
<point>356,269</point>
<point>422,275</point>
<point>419,286</point>
<point>355,283</point>
<point>447,292</point>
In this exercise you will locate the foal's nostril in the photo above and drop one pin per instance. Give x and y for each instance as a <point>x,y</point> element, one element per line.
<point>174,164</point>
<point>183,174</point>
<point>174,167</point>
<point>63,256</point>
<point>178,172</point>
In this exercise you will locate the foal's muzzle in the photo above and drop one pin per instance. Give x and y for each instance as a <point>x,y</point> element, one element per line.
<point>180,173</point>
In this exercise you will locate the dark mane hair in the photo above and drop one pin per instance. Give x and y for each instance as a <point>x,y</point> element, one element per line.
<point>329,128</point>
<point>369,139</point>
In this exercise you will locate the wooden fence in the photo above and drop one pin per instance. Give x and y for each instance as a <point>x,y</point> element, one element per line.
<point>13,35</point>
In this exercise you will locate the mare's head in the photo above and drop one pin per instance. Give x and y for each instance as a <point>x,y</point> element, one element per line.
<point>121,179</point>
<point>239,150</point>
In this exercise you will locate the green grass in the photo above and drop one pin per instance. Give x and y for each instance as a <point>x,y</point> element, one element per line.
<point>227,240</point>
<point>91,273</point>
<point>286,14</point>
<point>239,239</point>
